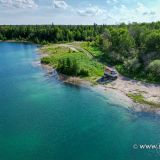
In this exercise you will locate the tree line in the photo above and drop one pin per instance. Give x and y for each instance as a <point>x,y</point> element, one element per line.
<point>50,33</point>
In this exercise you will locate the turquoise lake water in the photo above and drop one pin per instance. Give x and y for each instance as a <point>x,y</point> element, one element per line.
<point>44,119</point>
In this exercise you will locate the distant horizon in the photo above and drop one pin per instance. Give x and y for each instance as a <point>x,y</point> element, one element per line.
<point>78,24</point>
<point>70,12</point>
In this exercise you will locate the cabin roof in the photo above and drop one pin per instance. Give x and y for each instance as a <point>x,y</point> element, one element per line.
<point>109,69</point>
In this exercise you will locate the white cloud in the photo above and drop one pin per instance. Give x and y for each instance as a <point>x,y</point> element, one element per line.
<point>141,8</point>
<point>111,1</point>
<point>60,4</point>
<point>113,13</point>
<point>123,7</point>
<point>91,11</point>
<point>18,3</point>
<point>139,13</point>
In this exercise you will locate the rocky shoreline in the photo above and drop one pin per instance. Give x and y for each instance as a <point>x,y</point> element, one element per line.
<point>117,89</point>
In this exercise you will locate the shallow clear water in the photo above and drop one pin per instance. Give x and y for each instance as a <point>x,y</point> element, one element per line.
<point>43,119</point>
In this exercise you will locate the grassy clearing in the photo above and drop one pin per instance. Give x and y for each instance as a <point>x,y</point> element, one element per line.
<point>92,49</point>
<point>57,53</point>
<point>138,98</point>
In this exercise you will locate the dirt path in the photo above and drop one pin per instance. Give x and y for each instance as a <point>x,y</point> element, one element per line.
<point>76,49</point>
<point>68,46</point>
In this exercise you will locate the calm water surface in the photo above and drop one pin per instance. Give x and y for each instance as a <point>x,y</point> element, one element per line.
<point>43,119</point>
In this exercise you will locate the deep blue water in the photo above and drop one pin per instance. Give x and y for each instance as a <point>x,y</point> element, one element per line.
<point>44,119</point>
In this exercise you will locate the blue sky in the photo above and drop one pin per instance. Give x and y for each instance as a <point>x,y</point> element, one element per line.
<point>78,12</point>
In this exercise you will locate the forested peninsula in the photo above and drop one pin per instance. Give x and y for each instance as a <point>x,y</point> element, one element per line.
<point>133,49</point>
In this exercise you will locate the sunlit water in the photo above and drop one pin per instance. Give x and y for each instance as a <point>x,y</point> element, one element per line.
<point>44,119</point>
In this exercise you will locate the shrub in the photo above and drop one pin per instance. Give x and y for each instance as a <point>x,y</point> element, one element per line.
<point>45,60</point>
<point>68,66</point>
<point>83,72</point>
<point>154,68</point>
<point>132,65</point>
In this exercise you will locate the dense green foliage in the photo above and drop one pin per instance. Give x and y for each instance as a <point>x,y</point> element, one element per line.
<point>154,69</point>
<point>69,62</point>
<point>50,33</point>
<point>92,49</point>
<point>134,49</point>
<point>71,67</point>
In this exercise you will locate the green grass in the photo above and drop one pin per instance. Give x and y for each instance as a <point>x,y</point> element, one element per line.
<point>92,49</point>
<point>138,98</point>
<point>56,53</point>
